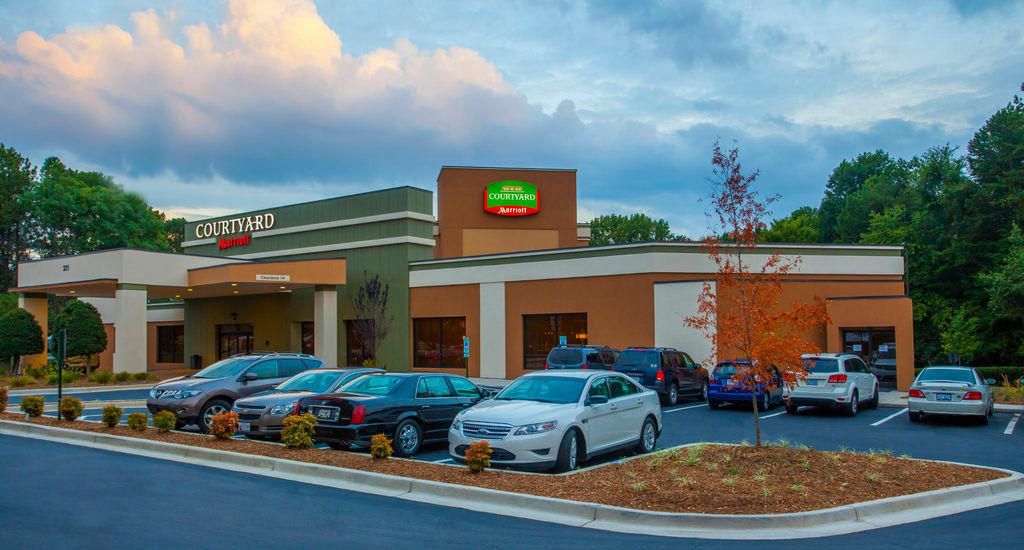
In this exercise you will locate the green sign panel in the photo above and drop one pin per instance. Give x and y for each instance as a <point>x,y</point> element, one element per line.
<point>511,198</point>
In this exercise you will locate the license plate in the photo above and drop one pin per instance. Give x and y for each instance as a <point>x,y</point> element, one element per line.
<point>943,397</point>
<point>244,427</point>
<point>637,377</point>
<point>731,382</point>
<point>812,382</point>
<point>324,413</point>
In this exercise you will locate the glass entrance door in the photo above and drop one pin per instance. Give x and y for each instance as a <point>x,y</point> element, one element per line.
<point>877,347</point>
<point>234,339</point>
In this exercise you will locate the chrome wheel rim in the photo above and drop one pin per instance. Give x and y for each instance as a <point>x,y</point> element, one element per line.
<point>704,391</point>
<point>673,395</point>
<point>212,412</point>
<point>764,402</point>
<point>648,436</point>
<point>408,438</point>
<point>853,403</point>
<point>572,451</point>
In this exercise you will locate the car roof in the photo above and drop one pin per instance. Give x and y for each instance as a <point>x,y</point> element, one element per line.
<point>827,355</point>
<point>957,367</point>
<point>582,373</point>
<point>347,369</point>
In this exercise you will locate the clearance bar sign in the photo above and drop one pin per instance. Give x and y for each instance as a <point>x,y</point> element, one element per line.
<point>511,198</point>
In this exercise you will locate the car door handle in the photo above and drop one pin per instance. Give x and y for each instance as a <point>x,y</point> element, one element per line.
<point>425,406</point>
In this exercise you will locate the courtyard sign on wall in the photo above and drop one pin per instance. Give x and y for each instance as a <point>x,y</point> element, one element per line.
<point>511,198</point>
<point>246,224</point>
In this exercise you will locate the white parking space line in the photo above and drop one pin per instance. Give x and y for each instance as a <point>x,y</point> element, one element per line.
<point>684,408</point>
<point>1012,424</point>
<point>443,461</point>
<point>888,418</point>
<point>771,415</point>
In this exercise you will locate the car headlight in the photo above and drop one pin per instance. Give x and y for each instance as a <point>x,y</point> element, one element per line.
<point>457,425</point>
<point>537,428</point>
<point>283,409</point>
<point>177,394</point>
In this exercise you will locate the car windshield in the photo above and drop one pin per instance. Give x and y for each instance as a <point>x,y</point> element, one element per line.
<point>316,382</point>
<point>637,358</point>
<point>816,366</point>
<point>946,375</point>
<point>728,370</point>
<point>227,367</point>
<point>374,385</point>
<point>546,389</point>
<point>565,356</point>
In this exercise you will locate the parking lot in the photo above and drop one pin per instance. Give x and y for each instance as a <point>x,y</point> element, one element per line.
<point>939,438</point>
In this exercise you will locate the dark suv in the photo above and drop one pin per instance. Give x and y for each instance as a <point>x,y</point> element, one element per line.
<point>581,357</point>
<point>667,371</point>
<point>196,398</point>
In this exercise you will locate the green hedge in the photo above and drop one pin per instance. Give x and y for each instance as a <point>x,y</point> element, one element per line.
<point>1012,373</point>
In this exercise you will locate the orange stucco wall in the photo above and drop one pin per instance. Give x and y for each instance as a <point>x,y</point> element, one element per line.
<point>450,301</point>
<point>883,311</point>
<point>460,206</point>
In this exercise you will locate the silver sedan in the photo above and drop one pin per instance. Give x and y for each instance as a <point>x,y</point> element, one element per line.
<point>959,391</point>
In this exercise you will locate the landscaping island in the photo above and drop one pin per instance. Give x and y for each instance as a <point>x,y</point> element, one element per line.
<point>711,479</point>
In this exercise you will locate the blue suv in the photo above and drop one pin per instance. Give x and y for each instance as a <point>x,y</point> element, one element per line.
<point>730,383</point>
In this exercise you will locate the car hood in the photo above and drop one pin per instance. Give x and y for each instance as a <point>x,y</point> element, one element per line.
<point>184,383</point>
<point>517,412</point>
<point>271,398</point>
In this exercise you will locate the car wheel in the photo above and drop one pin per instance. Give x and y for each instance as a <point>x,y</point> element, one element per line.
<point>764,403</point>
<point>713,403</point>
<point>851,409</point>
<point>179,425</point>
<point>983,420</point>
<point>791,408</point>
<point>408,437</point>
<point>915,416</point>
<point>873,402</point>
<point>704,391</point>
<point>671,398</point>
<point>211,409</point>
<point>991,409</point>
<point>568,452</point>
<point>339,445</point>
<point>648,437</point>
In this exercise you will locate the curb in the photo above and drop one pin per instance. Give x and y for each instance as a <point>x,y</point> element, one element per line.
<point>841,520</point>
<point>79,389</point>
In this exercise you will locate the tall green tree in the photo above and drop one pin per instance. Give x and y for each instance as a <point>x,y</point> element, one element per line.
<point>615,228</point>
<point>847,179</point>
<point>17,176</point>
<point>801,226</point>
<point>20,335</point>
<point>175,231</point>
<point>996,157</point>
<point>84,328</point>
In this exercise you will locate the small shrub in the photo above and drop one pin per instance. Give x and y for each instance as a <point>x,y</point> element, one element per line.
<point>112,415</point>
<point>806,465</point>
<point>141,376</point>
<point>122,376</point>
<point>712,466</point>
<point>164,421</point>
<point>224,425</point>
<point>137,421</point>
<point>101,377</point>
<point>380,446</point>
<point>873,477</point>
<point>729,480</point>
<point>759,476</point>
<point>732,471</point>
<point>298,431</point>
<point>70,408</point>
<point>639,486</point>
<point>685,481</point>
<point>32,406</point>
<point>3,399</point>
<point>478,456</point>
<point>796,487</point>
<point>35,372</point>
<point>22,381</point>
<point>766,492</point>
<point>69,377</point>
<point>727,458</point>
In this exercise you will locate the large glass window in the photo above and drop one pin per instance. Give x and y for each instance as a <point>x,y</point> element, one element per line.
<point>437,342</point>
<point>170,344</point>
<point>543,332</point>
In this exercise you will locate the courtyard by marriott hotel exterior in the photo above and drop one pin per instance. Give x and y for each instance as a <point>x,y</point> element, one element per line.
<point>486,289</point>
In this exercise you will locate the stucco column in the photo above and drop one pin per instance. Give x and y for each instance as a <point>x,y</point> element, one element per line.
<point>325,324</point>
<point>130,328</point>
<point>492,331</point>
<point>36,304</point>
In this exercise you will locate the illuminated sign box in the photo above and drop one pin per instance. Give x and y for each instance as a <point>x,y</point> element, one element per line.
<point>511,198</point>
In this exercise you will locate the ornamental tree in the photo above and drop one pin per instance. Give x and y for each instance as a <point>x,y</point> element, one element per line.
<point>85,329</point>
<point>374,320</point>
<point>20,335</point>
<point>740,311</point>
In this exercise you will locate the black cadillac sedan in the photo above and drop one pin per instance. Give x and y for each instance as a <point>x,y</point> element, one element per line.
<point>410,408</point>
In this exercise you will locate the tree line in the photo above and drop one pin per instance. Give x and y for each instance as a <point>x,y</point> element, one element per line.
<point>960,218</point>
<point>54,210</point>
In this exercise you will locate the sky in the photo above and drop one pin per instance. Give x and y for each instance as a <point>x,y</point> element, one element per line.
<point>208,108</point>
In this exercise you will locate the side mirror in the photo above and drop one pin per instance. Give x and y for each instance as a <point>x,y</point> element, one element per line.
<point>597,400</point>
<point>249,377</point>
<point>990,381</point>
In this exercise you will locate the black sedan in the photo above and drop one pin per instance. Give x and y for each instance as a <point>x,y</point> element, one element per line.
<point>410,408</point>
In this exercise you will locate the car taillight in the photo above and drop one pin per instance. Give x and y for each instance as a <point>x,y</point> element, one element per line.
<point>358,414</point>
<point>546,367</point>
<point>917,393</point>
<point>837,379</point>
<point>584,367</point>
<point>972,396</point>
<point>661,376</point>
<point>296,409</point>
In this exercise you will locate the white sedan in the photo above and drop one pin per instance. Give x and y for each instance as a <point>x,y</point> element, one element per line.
<point>558,419</point>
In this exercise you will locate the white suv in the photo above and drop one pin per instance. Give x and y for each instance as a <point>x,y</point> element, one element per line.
<point>834,380</point>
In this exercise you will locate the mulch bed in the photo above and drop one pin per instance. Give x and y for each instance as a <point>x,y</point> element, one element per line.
<point>714,479</point>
